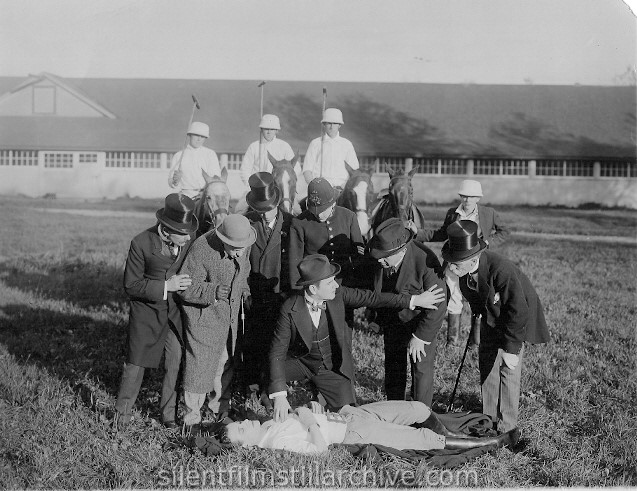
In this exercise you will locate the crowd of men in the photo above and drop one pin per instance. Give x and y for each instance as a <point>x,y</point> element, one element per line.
<point>272,294</point>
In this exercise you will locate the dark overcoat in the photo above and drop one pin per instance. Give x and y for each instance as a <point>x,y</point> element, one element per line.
<point>269,256</point>
<point>508,302</point>
<point>294,331</point>
<point>490,225</point>
<point>145,275</point>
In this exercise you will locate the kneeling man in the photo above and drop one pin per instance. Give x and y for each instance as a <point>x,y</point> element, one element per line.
<point>313,341</point>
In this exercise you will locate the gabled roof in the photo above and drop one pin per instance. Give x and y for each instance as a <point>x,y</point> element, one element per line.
<point>525,121</point>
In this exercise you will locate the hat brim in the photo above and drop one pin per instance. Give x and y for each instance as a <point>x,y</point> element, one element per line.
<point>248,241</point>
<point>263,206</point>
<point>336,268</point>
<point>185,228</point>
<point>458,256</point>
<point>377,253</point>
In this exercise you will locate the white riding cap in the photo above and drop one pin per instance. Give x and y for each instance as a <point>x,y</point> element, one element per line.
<point>332,115</point>
<point>470,188</point>
<point>200,129</point>
<point>270,122</point>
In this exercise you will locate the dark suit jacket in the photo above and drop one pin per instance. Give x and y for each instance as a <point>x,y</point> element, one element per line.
<point>509,301</point>
<point>337,238</point>
<point>269,264</point>
<point>147,269</point>
<point>294,331</point>
<point>419,270</point>
<point>492,229</point>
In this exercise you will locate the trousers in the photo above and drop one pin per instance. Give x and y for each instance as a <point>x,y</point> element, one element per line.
<point>387,423</point>
<point>133,375</point>
<point>499,384</point>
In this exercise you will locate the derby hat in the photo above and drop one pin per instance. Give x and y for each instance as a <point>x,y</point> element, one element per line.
<point>264,194</point>
<point>389,238</point>
<point>314,268</point>
<point>320,195</point>
<point>469,187</point>
<point>201,129</point>
<point>236,231</point>
<point>463,242</point>
<point>178,214</point>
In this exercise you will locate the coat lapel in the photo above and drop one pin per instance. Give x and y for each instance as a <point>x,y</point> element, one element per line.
<point>302,320</point>
<point>275,236</point>
<point>483,283</point>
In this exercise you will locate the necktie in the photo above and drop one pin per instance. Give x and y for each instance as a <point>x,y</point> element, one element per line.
<point>471,282</point>
<point>315,307</point>
<point>392,270</point>
<point>267,228</point>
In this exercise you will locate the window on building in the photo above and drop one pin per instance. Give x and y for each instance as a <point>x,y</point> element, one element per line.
<point>147,160</point>
<point>119,160</point>
<point>43,100</point>
<point>58,160</point>
<point>88,158</point>
<point>453,166</point>
<point>616,169</point>
<point>426,165</point>
<point>234,161</point>
<point>500,167</point>
<point>19,157</point>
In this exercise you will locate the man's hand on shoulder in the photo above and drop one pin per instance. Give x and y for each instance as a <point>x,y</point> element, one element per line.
<point>429,298</point>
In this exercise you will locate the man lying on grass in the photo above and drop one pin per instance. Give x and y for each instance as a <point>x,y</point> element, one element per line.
<point>397,424</point>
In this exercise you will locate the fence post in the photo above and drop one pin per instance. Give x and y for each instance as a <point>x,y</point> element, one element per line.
<point>223,161</point>
<point>597,170</point>
<point>470,165</point>
<point>532,168</point>
<point>409,164</point>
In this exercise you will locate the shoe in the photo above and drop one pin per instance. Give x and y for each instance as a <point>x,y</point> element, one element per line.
<point>171,425</point>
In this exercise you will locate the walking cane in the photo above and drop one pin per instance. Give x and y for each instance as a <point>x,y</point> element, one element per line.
<point>195,105</point>
<point>260,145</point>
<point>322,130</point>
<point>466,348</point>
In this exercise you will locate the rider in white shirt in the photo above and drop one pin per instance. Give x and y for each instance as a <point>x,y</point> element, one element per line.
<point>186,173</point>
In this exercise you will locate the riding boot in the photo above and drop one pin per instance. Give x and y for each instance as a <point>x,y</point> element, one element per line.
<point>506,439</point>
<point>453,328</point>
<point>435,425</point>
<point>476,321</point>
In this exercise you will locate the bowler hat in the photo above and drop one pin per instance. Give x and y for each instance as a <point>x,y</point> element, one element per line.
<point>320,195</point>
<point>389,237</point>
<point>264,194</point>
<point>469,187</point>
<point>236,231</point>
<point>314,268</point>
<point>178,214</point>
<point>463,242</point>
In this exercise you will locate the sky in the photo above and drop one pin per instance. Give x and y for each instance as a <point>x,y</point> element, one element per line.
<point>563,42</point>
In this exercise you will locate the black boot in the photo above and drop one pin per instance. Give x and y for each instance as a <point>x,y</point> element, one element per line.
<point>435,425</point>
<point>476,321</point>
<point>453,328</point>
<point>505,440</point>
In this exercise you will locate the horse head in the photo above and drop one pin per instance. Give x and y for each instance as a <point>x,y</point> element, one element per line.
<point>285,179</point>
<point>401,192</point>
<point>213,205</point>
<point>358,195</point>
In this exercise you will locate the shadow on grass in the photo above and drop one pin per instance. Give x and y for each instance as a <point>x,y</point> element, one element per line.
<point>84,283</point>
<point>87,353</point>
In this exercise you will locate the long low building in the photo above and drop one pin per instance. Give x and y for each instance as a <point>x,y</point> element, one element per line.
<point>527,144</point>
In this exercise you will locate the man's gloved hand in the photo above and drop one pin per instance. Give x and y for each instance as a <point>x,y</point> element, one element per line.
<point>222,292</point>
<point>306,417</point>
<point>510,360</point>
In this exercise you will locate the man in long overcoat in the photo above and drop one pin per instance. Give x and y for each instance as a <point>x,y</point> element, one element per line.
<point>269,277</point>
<point>218,264</point>
<point>151,282</point>
<point>409,268</point>
<point>511,315</point>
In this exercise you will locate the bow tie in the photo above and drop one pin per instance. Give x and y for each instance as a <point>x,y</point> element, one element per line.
<point>315,307</point>
<point>471,281</point>
<point>392,270</point>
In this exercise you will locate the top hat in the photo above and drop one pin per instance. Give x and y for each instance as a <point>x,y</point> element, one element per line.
<point>320,195</point>
<point>314,268</point>
<point>264,194</point>
<point>201,129</point>
<point>469,187</point>
<point>178,214</point>
<point>463,242</point>
<point>389,238</point>
<point>236,231</point>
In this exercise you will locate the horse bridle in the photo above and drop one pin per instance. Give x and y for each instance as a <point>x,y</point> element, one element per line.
<point>410,194</point>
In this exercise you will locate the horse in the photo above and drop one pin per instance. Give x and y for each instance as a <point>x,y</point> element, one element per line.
<point>358,195</point>
<point>285,178</point>
<point>399,201</point>
<point>213,203</point>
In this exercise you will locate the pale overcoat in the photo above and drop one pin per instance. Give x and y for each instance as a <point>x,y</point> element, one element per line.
<point>207,320</point>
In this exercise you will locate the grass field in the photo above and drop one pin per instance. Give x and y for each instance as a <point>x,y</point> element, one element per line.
<point>63,319</point>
